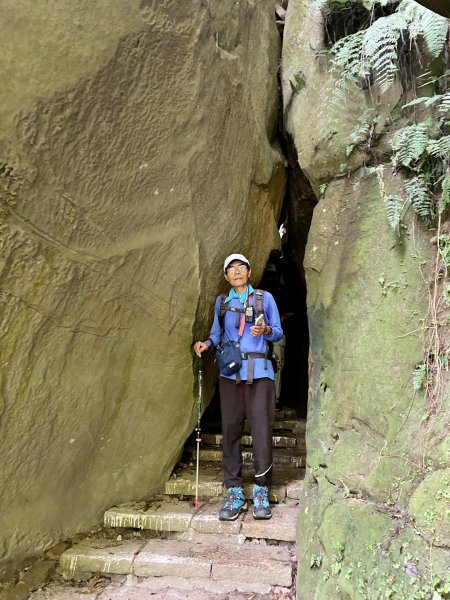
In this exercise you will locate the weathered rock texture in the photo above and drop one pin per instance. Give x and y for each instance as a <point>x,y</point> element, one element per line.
<point>137,149</point>
<point>372,520</point>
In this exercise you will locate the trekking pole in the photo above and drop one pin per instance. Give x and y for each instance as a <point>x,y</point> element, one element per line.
<point>197,430</point>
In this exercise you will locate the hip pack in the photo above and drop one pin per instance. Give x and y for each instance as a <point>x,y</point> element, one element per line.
<point>228,358</point>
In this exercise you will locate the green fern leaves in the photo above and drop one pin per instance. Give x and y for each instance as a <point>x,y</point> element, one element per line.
<point>444,108</point>
<point>394,208</point>
<point>419,376</point>
<point>347,61</point>
<point>425,100</point>
<point>434,30</point>
<point>375,49</point>
<point>409,143</point>
<point>379,48</point>
<point>371,56</point>
<point>444,200</point>
<point>439,148</point>
<point>419,196</point>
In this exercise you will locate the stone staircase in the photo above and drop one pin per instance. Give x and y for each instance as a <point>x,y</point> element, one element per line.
<point>165,547</point>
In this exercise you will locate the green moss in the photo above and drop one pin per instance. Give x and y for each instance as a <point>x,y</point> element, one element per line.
<point>360,349</point>
<point>430,507</point>
<point>363,411</point>
<point>383,558</point>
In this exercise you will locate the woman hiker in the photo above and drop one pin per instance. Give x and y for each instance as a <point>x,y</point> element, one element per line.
<point>250,392</point>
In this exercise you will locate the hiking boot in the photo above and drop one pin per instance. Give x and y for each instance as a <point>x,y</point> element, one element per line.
<point>233,504</point>
<point>261,507</point>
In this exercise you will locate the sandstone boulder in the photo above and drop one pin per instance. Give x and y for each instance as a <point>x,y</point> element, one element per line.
<point>137,150</point>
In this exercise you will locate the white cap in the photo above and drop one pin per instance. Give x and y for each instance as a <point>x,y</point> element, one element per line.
<point>229,259</point>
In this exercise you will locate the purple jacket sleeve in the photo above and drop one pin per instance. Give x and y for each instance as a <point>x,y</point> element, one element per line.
<point>272,318</point>
<point>215,335</point>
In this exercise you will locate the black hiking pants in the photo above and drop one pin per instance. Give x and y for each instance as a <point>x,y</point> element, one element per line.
<point>256,403</point>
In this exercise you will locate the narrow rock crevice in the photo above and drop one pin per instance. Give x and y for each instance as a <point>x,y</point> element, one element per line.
<point>294,224</point>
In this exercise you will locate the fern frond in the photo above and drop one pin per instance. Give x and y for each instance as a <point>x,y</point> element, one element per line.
<point>426,100</point>
<point>410,142</point>
<point>434,30</point>
<point>439,148</point>
<point>346,66</point>
<point>376,48</point>
<point>409,10</point>
<point>426,24</point>
<point>363,126</point>
<point>419,376</point>
<point>347,52</point>
<point>444,200</point>
<point>444,107</point>
<point>379,47</point>
<point>419,196</point>
<point>394,207</point>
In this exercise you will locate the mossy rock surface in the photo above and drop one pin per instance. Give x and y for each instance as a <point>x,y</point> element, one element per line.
<point>430,507</point>
<point>372,445</point>
<point>375,452</point>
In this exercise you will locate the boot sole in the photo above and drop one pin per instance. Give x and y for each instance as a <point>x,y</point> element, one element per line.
<point>243,508</point>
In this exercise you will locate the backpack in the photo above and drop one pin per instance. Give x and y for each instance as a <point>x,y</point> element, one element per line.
<point>258,307</point>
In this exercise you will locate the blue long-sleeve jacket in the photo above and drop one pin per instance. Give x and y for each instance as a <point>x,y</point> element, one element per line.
<point>248,342</point>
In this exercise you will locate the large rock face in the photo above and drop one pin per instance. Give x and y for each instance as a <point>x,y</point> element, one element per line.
<point>137,149</point>
<point>374,521</point>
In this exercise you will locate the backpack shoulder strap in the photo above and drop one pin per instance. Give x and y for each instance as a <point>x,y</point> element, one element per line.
<point>223,306</point>
<point>222,310</point>
<point>258,302</point>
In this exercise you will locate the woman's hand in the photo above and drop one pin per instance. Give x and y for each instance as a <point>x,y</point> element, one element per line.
<point>258,330</point>
<point>200,347</point>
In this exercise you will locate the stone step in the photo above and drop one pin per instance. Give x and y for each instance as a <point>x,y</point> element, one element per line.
<point>96,555</point>
<point>286,413</point>
<point>296,426</point>
<point>280,426</point>
<point>182,482</point>
<point>288,440</point>
<point>167,514</point>
<point>213,413</point>
<point>177,588</point>
<point>281,456</point>
<point>187,559</point>
<point>294,489</point>
<point>172,515</point>
<point>281,527</point>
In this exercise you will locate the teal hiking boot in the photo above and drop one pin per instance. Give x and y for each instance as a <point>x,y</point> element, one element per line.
<point>261,506</point>
<point>234,503</point>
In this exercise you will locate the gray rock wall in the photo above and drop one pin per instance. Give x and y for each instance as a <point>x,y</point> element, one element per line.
<point>137,149</point>
<point>374,515</point>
